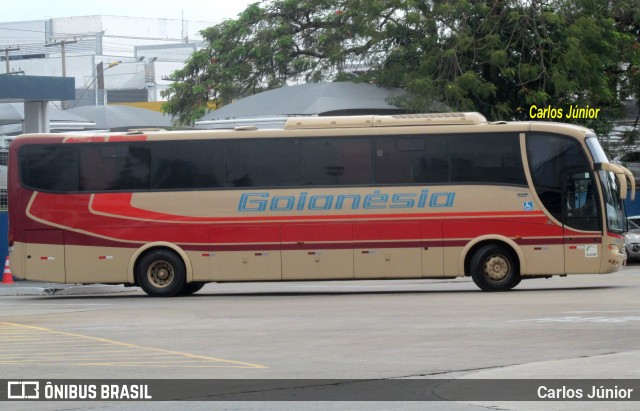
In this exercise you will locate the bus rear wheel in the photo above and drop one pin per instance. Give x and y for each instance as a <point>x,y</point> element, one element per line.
<point>495,268</point>
<point>161,273</point>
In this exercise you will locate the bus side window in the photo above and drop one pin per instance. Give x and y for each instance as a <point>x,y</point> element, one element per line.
<point>336,161</point>
<point>50,168</point>
<point>114,167</point>
<point>189,164</point>
<point>486,158</point>
<point>268,162</point>
<point>412,160</point>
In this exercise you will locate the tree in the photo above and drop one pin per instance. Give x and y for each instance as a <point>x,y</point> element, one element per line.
<point>497,57</point>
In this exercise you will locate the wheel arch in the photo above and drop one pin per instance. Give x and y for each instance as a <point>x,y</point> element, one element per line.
<point>477,243</point>
<point>158,245</point>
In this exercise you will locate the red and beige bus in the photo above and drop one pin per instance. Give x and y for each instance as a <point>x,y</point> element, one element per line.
<point>323,198</point>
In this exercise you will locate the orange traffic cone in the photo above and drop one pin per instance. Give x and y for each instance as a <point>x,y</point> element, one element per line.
<point>7,278</point>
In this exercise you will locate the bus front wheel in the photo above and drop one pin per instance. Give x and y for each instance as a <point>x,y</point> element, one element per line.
<point>161,273</point>
<point>192,288</point>
<point>495,268</point>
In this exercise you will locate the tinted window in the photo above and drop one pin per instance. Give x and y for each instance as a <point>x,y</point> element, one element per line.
<point>550,158</point>
<point>204,164</point>
<point>187,164</point>
<point>407,160</point>
<point>261,163</point>
<point>114,167</point>
<point>471,158</point>
<point>50,168</point>
<point>334,161</point>
<point>486,158</point>
<point>581,204</point>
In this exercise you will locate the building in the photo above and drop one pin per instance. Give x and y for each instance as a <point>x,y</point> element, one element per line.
<point>113,59</point>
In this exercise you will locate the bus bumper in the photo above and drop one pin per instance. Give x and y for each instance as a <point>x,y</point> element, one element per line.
<point>614,257</point>
<point>16,260</point>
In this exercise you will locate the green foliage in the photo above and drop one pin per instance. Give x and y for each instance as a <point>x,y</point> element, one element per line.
<point>497,57</point>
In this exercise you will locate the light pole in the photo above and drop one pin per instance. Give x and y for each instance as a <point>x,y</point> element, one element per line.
<point>99,80</point>
<point>95,75</point>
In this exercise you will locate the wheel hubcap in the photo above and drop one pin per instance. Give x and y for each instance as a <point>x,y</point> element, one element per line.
<point>160,274</point>
<point>497,268</point>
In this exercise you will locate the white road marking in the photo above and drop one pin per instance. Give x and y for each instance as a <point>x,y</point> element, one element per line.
<point>570,319</point>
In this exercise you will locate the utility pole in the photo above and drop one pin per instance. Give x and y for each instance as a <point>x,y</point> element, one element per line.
<point>6,55</point>
<point>64,60</point>
<point>62,44</point>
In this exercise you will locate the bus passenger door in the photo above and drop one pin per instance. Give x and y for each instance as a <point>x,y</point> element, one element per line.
<point>582,224</point>
<point>44,256</point>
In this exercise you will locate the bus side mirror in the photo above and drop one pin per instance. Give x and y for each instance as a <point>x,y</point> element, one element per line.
<point>622,180</point>
<point>632,181</point>
<point>623,175</point>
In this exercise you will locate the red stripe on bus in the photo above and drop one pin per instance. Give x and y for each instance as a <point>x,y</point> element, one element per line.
<point>206,247</point>
<point>582,240</point>
<point>72,212</point>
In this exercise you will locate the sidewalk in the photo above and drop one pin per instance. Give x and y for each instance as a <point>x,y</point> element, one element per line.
<point>40,288</point>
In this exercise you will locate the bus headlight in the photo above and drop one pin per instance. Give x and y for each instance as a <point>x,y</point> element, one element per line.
<point>615,248</point>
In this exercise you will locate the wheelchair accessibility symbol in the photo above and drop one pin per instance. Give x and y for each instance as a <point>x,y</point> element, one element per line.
<point>528,206</point>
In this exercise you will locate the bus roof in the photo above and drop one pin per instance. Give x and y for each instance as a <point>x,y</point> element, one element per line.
<point>349,125</point>
<point>386,121</point>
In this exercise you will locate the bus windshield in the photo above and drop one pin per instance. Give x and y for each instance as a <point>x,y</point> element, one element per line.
<point>614,207</point>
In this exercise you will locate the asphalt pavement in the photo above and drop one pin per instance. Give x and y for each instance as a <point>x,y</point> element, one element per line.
<point>613,365</point>
<point>35,288</point>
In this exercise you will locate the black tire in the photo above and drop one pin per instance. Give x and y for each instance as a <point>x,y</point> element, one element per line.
<point>495,268</point>
<point>629,259</point>
<point>192,288</point>
<point>161,273</point>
